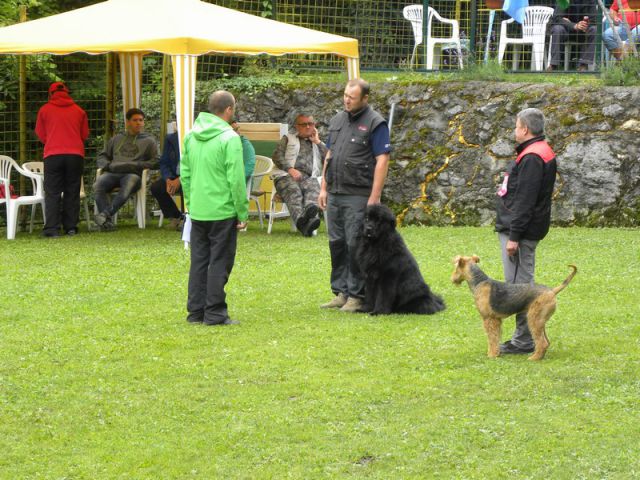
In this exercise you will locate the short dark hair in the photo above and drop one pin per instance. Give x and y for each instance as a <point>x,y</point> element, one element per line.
<point>134,111</point>
<point>219,101</point>
<point>363,84</point>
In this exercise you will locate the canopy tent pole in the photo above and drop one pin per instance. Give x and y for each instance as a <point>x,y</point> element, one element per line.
<point>22,121</point>
<point>353,67</point>
<point>131,79</point>
<point>164,115</point>
<point>184,83</point>
<point>110,98</point>
<point>22,115</point>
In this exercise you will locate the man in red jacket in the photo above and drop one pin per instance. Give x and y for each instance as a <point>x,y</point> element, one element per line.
<point>524,212</point>
<point>62,126</point>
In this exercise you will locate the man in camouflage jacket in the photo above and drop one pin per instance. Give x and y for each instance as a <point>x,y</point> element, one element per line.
<point>299,158</point>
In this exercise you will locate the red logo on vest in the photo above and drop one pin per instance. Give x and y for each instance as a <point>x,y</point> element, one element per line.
<point>542,149</point>
<point>362,128</point>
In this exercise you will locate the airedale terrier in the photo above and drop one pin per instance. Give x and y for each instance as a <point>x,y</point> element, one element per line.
<point>498,300</point>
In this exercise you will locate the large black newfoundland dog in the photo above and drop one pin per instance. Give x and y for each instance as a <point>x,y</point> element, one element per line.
<point>394,283</point>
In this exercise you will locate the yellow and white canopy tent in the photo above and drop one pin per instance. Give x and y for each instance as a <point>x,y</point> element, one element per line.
<point>183,29</point>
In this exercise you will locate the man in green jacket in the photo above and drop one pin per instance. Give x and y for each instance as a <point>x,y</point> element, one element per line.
<point>212,175</point>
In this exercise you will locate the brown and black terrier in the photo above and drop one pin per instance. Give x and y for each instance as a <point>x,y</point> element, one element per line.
<point>498,300</point>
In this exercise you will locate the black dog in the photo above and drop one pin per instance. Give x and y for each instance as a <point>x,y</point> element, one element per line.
<point>393,282</point>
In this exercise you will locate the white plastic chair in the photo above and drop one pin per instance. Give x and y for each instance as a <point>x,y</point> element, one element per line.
<point>534,30</point>
<point>274,212</point>
<point>139,199</point>
<point>264,166</point>
<point>413,13</point>
<point>35,167</point>
<point>7,164</point>
<point>38,167</point>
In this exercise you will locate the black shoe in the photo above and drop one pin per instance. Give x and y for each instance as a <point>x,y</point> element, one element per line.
<point>107,226</point>
<point>301,225</point>
<point>51,234</point>
<point>508,347</point>
<point>309,221</point>
<point>311,226</point>
<point>72,232</point>
<point>310,212</point>
<point>194,318</point>
<point>226,321</point>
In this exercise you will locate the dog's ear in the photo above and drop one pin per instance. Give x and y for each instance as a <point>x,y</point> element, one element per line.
<point>457,260</point>
<point>475,258</point>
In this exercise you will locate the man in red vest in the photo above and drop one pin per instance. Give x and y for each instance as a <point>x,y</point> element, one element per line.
<point>524,212</point>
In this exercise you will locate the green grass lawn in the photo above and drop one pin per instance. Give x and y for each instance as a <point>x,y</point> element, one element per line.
<point>101,377</point>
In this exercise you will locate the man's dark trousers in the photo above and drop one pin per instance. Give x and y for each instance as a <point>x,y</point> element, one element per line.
<point>561,33</point>
<point>166,203</point>
<point>213,252</point>
<point>345,214</point>
<point>62,178</point>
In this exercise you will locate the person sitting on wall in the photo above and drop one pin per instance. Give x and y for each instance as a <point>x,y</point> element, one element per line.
<point>577,22</point>
<point>299,156</point>
<point>609,39</point>
<point>122,162</point>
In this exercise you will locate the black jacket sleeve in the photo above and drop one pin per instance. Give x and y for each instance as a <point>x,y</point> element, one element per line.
<point>530,173</point>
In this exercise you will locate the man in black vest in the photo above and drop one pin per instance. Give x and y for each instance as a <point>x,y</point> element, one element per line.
<point>524,212</point>
<point>354,173</point>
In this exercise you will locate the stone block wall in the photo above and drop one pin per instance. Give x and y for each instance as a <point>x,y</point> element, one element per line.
<point>452,141</point>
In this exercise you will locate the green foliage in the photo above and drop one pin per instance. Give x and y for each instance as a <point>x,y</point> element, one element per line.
<point>102,378</point>
<point>256,76</point>
<point>39,68</point>
<point>44,8</point>
<point>625,72</point>
<point>491,71</point>
<point>267,9</point>
<point>9,10</point>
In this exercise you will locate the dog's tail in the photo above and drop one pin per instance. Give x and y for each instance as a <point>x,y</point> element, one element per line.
<point>562,286</point>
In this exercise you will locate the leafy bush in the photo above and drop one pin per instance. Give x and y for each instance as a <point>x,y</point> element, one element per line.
<point>626,72</point>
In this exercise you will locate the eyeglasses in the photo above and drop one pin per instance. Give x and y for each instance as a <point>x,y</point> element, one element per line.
<point>306,124</point>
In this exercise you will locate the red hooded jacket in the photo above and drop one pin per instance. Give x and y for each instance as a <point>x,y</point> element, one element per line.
<point>62,125</point>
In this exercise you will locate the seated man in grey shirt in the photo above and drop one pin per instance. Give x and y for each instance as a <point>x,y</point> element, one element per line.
<point>122,162</point>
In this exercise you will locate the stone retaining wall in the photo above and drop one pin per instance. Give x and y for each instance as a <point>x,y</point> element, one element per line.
<point>452,141</point>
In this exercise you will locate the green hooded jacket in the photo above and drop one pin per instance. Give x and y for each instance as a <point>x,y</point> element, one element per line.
<point>212,171</point>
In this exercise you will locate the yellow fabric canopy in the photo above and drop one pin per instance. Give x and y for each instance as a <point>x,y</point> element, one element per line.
<point>183,29</point>
<point>175,27</point>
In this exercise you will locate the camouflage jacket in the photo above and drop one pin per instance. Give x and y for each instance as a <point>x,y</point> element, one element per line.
<point>304,162</point>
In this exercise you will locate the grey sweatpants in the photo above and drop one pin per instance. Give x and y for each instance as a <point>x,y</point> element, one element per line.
<point>519,269</point>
